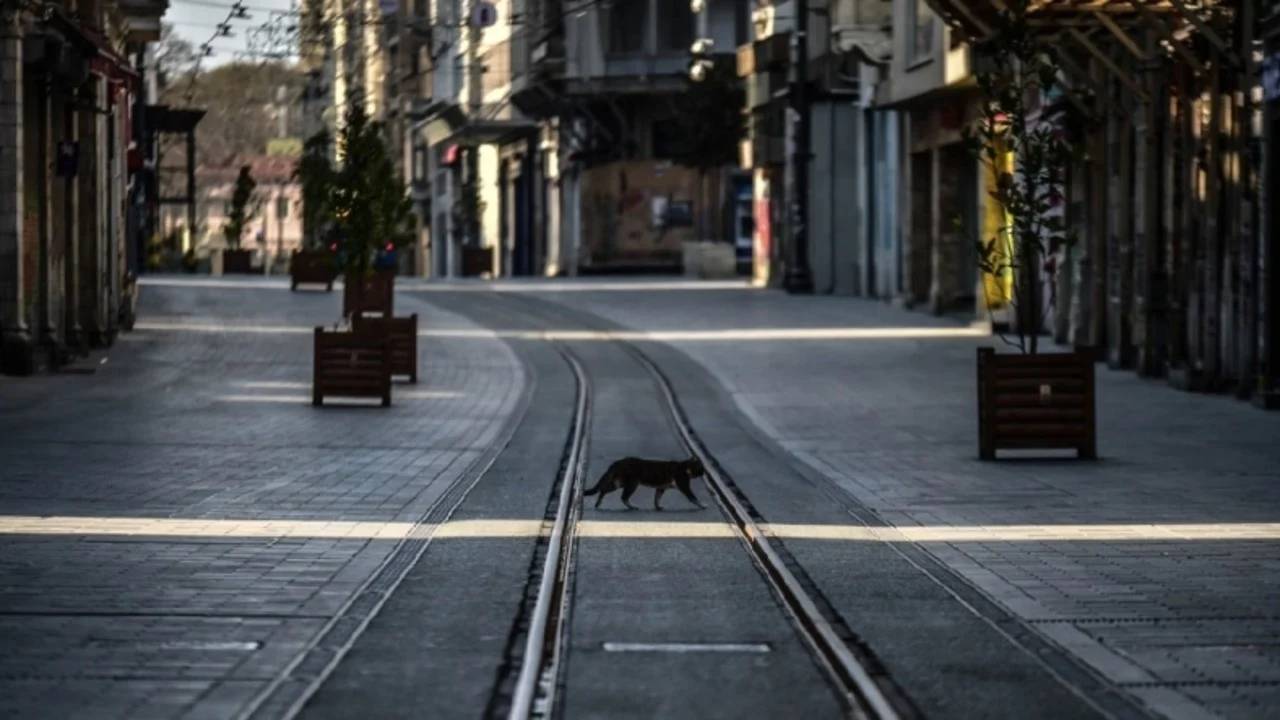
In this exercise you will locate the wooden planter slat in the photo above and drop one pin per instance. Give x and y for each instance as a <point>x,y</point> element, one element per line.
<point>402,333</point>
<point>350,364</point>
<point>1057,383</point>
<point>1023,399</point>
<point>1027,443</point>
<point>312,267</point>
<point>237,262</point>
<point>369,294</point>
<point>1014,414</point>
<point>1058,430</point>
<point>1013,360</point>
<point>1033,415</point>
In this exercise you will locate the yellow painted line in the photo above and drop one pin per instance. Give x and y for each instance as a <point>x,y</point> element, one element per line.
<point>653,529</point>
<point>638,529</point>
<point>718,335</point>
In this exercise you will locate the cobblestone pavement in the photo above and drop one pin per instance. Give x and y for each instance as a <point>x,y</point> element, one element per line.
<point>209,523</point>
<point>1156,567</point>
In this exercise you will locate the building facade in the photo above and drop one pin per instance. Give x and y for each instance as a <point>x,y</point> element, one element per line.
<point>1172,199</point>
<point>73,105</point>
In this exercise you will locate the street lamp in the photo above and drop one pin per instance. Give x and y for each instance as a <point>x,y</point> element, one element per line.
<point>701,64</point>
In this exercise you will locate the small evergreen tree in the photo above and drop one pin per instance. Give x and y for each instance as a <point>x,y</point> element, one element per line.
<point>370,207</point>
<point>1028,156</point>
<point>242,208</point>
<point>315,174</point>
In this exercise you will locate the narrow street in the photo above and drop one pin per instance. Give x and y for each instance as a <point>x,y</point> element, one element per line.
<point>183,535</point>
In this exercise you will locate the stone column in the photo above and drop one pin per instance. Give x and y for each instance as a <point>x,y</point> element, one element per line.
<point>16,354</point>
<point>92,239</point>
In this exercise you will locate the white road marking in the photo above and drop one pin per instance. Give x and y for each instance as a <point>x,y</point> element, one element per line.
<point>678,647</point>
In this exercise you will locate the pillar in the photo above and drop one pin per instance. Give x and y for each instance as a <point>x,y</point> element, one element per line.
<point>16,349</point>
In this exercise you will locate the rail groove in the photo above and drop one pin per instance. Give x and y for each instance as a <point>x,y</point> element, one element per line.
<point>535,687</point>
<point>534,694</point>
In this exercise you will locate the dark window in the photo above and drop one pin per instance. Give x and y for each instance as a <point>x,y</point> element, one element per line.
<point>920,41</point>
<point>669,140</point>
<point>675,25</point>
<point>628,21</point>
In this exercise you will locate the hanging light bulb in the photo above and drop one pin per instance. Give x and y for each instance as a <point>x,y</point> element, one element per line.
<point>224,30</point>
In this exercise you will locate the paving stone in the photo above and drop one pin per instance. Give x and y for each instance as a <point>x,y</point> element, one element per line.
<point>192,425</point>
<point>893,423</point>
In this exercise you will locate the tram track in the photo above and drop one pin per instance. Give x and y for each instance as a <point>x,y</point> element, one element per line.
<point>536,693</point>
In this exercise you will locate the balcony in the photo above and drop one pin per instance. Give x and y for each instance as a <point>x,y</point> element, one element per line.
<point>142,18</point>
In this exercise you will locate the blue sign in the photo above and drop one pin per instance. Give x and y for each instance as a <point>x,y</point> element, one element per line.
<point>68,158</point>
<point>1271,77</point>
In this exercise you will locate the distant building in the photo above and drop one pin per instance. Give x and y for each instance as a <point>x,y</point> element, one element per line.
<point>276,227</point>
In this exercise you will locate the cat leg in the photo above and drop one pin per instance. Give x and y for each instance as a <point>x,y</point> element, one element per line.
<point>627,492</point>
<point>688,492</point>
<point>657,498</point>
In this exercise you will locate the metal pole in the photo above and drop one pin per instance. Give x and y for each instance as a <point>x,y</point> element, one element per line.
<point>798,279</point>
<point>191,185</point>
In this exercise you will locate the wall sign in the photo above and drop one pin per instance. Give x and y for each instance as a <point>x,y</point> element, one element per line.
<point>1271,77</point>
<point>68,158</point>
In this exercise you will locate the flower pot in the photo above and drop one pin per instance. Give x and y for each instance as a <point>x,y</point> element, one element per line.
<point>1036,402</point>
<point>369,294</point>
<point>237,262</point>
<point>350,364</point>
<point>402,334</point>
<point>477,261</point>
<point>312,267</point>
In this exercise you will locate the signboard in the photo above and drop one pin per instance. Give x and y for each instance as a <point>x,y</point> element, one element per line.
<point>68,158</point>
<point>1271,77</point>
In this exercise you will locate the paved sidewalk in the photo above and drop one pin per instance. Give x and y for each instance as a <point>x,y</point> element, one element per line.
<point>1156,566</point>
<point>211,523</point>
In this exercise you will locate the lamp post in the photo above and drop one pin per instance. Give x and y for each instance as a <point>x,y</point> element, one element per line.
<point>798,279</point>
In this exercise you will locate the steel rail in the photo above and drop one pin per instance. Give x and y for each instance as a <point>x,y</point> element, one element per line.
<point>543,646</point>
<point>864,693</point>
<point>534,664</point>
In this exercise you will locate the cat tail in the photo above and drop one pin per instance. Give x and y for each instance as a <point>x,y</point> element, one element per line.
<point>596,489</point>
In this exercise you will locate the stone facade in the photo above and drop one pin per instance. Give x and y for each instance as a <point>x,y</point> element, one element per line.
<point>67,99</point>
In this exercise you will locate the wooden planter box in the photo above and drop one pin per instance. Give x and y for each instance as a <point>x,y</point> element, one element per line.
<point>351,364</point>
<point>402,334</point>
<point>372,294</point>
<point>237,262</point>
<point>312,267</point>
<point>476,261</point>
<point>1036,402</point>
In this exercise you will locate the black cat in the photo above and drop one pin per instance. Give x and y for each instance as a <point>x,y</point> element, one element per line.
<point>631,472</point>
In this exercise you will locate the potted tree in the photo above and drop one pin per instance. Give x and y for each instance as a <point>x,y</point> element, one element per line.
<point>240,212</point>
<point>1027,399</point>
<point>371,214</point>
<point>477,260</point>
<point>315,262</point>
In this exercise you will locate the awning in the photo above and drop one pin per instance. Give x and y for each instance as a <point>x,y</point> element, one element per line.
<point>452,124</point>
<point>164,119</point>
<point>1072,27</point>
<point>1085,22</point>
